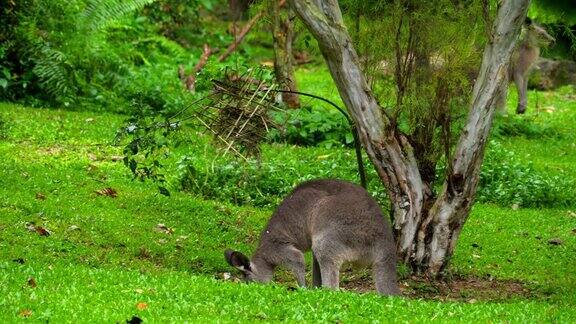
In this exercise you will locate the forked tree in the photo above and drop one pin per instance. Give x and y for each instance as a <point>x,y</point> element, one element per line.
<point>426,226</point>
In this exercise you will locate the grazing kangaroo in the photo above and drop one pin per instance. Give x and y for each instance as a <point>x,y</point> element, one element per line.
<point>339,222</point>
<point>523,60</point>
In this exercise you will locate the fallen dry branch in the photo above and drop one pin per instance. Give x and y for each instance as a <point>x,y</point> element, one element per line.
<point>190,80</point>
<point>237,40</point>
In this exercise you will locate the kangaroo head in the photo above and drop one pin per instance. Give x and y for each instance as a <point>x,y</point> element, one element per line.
<point>537,35</point>
<point>252,271</point>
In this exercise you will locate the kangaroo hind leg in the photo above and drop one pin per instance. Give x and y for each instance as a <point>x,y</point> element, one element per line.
<point>385,277</point>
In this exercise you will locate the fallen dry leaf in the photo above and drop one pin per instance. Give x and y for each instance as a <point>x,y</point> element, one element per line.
<point>549,109</point>
<point>110,192</point>
<point>555,241</point>
<point>30,227</point>
<point>42,231</point>
<point>116,158</point>
<point>139,291</point>
<point>92,157</point>
<point>40,196</point>
<point>164,229</point>
<point>25,313</point>
<point>32,282</point>
<point>73,228</point>
<point>141,306</point>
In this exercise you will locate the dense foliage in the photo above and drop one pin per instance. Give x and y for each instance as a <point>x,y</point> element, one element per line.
<point>313,125</point>
<point>96,53</point>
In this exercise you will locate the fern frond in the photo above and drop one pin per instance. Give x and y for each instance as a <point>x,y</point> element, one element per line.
<point>53,70</point>
<point>100,14</point>
<point>170,46</point>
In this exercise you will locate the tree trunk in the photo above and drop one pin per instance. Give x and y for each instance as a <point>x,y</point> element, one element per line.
<point>452,207</point>
<point>425,238</point>
<point>238,9</point>
<point>283,35</point>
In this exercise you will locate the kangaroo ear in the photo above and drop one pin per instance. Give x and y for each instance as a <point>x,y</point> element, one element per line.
<point>237,260</point>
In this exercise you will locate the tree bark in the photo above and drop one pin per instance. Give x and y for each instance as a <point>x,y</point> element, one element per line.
<point>238,9</point>
<point>425,238</point>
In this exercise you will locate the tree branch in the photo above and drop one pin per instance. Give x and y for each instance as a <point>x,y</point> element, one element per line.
<point>190,80</point>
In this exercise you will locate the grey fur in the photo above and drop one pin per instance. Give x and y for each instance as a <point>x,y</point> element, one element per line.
<point>523,60</point>
<point>339,222</point>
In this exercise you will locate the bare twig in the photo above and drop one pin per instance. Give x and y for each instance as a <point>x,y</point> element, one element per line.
<point>237,40</point>
<point>190,80</point>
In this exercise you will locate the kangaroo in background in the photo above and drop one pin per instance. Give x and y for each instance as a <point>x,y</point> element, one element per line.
<point>523,59</point>
<point>339,222</point>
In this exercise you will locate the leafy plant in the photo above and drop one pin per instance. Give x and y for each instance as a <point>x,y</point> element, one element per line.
<point>176,19</point>
<point>87,53</point>
<point>265,183</point>
<point>312,126</point>
<point>100,14</point>
<point>506,180</point>
<point>149,131</point>
<point>527,127</point>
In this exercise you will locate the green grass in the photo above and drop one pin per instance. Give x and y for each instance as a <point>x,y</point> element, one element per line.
<point>551,117</point>
<point>105,256</point>
<point>71,293</point>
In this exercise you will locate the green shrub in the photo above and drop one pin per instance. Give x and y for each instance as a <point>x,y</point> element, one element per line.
<point>313,126</point>
<point>89,53</point>
<point>237,182</point>
<point>525,126</point>
<point>266,183</point>
<point>506,180</point>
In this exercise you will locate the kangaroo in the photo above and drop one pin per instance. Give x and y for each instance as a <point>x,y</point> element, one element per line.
<point>523,60</point>
<point>339,222</point>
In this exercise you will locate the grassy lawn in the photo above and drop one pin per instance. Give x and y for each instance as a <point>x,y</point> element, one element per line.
<point>106,258</point>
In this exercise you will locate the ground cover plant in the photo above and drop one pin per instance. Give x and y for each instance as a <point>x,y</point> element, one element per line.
<point>108,256</point>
